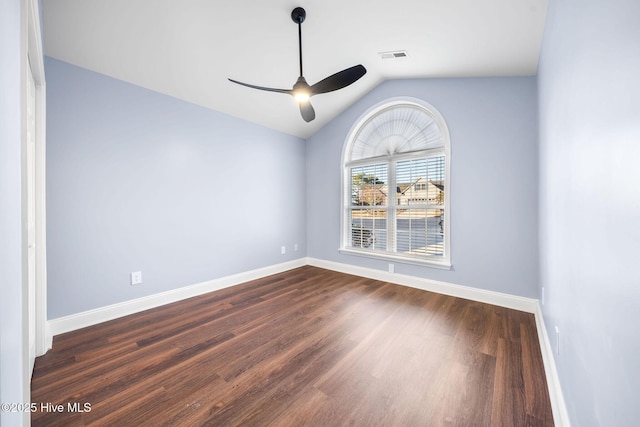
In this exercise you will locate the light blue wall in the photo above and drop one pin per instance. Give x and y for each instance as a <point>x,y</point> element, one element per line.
<point>12,340</point>
<point>589,103</point>
<point>494,179</point>
<point>141,181</point>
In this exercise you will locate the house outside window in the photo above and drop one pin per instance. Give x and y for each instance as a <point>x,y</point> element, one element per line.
<point>396,184</point>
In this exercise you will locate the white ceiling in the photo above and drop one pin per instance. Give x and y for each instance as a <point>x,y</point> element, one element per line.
<point>188,48</point>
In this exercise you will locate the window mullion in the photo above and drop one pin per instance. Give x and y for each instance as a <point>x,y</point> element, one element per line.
<point>391,211</point>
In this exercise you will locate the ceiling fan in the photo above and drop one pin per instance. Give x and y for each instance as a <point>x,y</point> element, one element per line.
<point>301,90</point>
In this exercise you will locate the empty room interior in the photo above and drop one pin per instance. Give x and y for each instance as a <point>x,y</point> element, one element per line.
<point>320,213</point>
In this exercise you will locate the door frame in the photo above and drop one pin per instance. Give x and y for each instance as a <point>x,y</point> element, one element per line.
<point>33,61</point>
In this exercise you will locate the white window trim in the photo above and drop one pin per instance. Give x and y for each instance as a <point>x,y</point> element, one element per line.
<point>443,262</point>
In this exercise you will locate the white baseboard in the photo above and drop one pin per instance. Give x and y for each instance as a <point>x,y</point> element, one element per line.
<point>110,312</point>
<point>490,297</point>
<point>560,414</point>
<point>529,305</point>
<point>48,337</point>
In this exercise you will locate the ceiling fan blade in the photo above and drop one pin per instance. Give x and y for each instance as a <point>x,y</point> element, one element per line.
<point>338,80</point>
<point>307,111</point>
<point>269,89</point>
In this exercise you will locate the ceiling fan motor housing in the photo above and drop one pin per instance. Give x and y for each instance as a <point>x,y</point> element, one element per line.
<point>301,83</point>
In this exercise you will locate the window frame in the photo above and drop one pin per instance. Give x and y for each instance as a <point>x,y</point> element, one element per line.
<point>346,247</point>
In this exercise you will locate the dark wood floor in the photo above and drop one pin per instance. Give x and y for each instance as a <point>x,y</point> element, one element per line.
<point>305,347</point>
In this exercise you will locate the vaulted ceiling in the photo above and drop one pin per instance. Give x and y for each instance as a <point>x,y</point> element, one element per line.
<point>189,48</point>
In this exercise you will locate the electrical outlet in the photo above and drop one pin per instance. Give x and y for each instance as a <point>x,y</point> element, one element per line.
<point>136,278</point>
<point>295,247</point>
<point>557,341</point>
<point>283,250</point>
<point>392,268</point>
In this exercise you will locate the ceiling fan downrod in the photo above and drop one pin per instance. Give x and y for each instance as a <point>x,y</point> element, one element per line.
<point>298,16</point>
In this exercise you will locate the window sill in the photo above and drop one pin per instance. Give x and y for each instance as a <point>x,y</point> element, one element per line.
<point>440,264</point>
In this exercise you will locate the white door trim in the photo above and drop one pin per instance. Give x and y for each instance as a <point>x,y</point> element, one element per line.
<point>33,58</point>
<point>30,223</point>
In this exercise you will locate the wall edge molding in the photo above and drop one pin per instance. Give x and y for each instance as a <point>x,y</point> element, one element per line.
<point>92,317</point>
<point>481,295</point>
<point>558,406</point>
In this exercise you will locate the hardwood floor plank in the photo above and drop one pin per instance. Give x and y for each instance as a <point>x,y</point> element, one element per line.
<point>305,347</point>
<point>477,397</point>
<point>183,406</point>
<point>301,410</point>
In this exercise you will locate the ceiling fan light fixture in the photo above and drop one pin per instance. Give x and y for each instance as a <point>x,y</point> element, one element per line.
<point>301,96</point>
<point>301,90</point>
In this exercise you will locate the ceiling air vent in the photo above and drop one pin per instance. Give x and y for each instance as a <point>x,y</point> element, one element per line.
<point>393,54</point>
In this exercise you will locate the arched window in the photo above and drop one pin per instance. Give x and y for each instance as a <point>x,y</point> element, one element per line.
<point>396,184</point>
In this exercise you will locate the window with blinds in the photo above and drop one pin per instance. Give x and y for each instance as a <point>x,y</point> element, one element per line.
<point>368,212</point>
<point>396,185</point>
<point>419,216</point>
